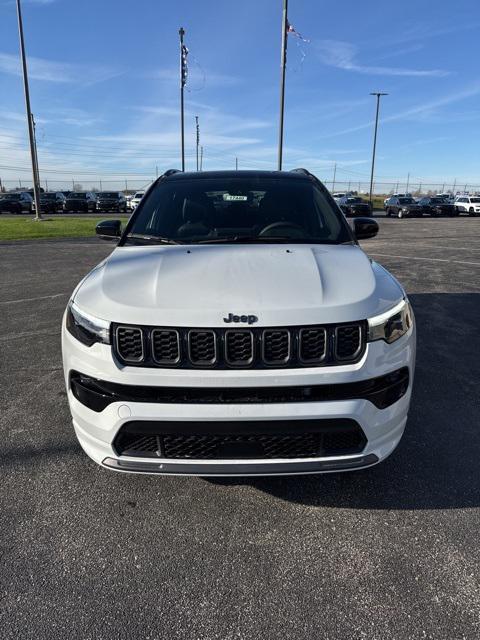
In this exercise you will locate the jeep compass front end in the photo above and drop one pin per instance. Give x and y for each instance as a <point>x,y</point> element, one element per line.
<point>238,329</point>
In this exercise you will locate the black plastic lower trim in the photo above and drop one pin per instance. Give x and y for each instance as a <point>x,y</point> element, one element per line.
<point>382,392</point>
<point>240,469</point>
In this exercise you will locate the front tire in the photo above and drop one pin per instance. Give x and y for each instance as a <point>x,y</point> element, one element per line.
<point>400,214</point>
<point>471,211</point>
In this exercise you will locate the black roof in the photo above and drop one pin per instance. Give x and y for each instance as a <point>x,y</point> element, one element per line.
<point>199,175</point>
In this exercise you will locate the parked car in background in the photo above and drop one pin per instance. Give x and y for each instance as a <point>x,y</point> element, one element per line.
<point>51,202</point>
<point>396,195</point>
<point>136,199</point>
<point>16,202</point>
<point>82,201</point>
<point>468,204</point>
<point>353,206</point>
<point>436,206</point>
<point>448,197</point>
<point>128,200</point>
<point>111,201</point>
<point>403,208</point>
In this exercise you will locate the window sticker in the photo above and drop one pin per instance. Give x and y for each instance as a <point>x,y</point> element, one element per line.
<point>234,198</point>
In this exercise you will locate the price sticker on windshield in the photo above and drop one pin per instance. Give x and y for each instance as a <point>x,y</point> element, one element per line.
<point>234,198</point>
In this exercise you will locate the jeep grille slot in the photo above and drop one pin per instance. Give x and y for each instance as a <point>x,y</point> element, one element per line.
<point>276,346</point>
<point>129,343</point>
<point>248,348</point>
<point>165,346</point>
<point>348,341</point>
<point>202,347</point>
<point>239,347</point>
<point>313,345</point>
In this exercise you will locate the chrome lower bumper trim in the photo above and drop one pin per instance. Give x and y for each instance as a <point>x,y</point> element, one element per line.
<point>239,468</point>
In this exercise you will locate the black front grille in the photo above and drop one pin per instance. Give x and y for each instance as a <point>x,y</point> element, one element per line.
<point>254,348</point>
<point>348,341</point>
<point>129,343</point>
<point>283,439</point>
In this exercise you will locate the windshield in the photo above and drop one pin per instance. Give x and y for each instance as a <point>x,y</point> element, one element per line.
<point>47,196</point>
<point>406,201</point>
<point>139,194</point>
<point>109,194</point>
<point>437,201</point>
<point>239,209</point>
<point>77,195</point>
<point>354,201</point>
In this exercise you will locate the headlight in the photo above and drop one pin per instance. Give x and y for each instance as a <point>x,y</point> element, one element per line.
<point>86,328</point>
<point>392,325</point>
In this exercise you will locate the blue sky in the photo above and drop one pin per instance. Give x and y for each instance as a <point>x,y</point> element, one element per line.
<point>104,87</point>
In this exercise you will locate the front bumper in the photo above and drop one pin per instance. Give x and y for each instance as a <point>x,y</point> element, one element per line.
<point>97,430</point>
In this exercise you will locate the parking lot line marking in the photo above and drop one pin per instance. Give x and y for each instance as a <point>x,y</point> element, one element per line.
<point>54,295</point>
<point>389,255</point>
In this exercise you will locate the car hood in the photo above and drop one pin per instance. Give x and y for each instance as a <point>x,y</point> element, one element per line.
<point>200,285</point>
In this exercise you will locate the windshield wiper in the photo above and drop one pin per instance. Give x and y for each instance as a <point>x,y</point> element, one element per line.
<point>149,239</point>
<point>261,239</point>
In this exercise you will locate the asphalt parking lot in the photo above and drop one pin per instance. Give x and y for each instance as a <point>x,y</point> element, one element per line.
<point>392,552</point>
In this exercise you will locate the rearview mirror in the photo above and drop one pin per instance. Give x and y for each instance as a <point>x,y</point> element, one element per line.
<point>109,229</point>
<point>364,228</point>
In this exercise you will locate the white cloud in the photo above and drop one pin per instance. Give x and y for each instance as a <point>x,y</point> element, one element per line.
<point>343,55</point>
<point>53,71</point>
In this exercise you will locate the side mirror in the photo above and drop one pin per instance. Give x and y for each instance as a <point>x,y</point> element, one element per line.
<point>109,229</point>
<point>364,228</point>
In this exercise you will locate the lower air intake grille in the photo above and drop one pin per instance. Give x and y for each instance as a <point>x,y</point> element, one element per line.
<point>130,344</point>
<point>343,438</point>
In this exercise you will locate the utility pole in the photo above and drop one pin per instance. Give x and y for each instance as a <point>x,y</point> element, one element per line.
<point>378,95</point>
<point>334,176</point>
<point>31,132</point>
<point>156,170</point>
<point>236,164</point>
<point>197,129</point>
<point>454,185</point>
<point>183,80</point>
<point>201,157</point>
<point>283,64</point>
<point>408,183</point>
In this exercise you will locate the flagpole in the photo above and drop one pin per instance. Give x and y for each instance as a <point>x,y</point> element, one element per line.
<point>283,63</point>
<point>181,33</point>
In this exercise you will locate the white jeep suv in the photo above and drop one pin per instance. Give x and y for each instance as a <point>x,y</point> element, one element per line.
<point>468,204</point>
<point>238,329</point>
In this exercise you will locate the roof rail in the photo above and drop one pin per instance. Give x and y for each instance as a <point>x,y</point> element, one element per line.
<point>170,172</point>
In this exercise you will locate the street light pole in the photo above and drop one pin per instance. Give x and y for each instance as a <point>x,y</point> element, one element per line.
<point>283,64</point>
<point>183,79</point>
<point>378,95</point>
<point>31,132</point>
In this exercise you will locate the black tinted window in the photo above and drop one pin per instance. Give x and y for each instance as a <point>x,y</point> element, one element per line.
<point>217,208</point>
